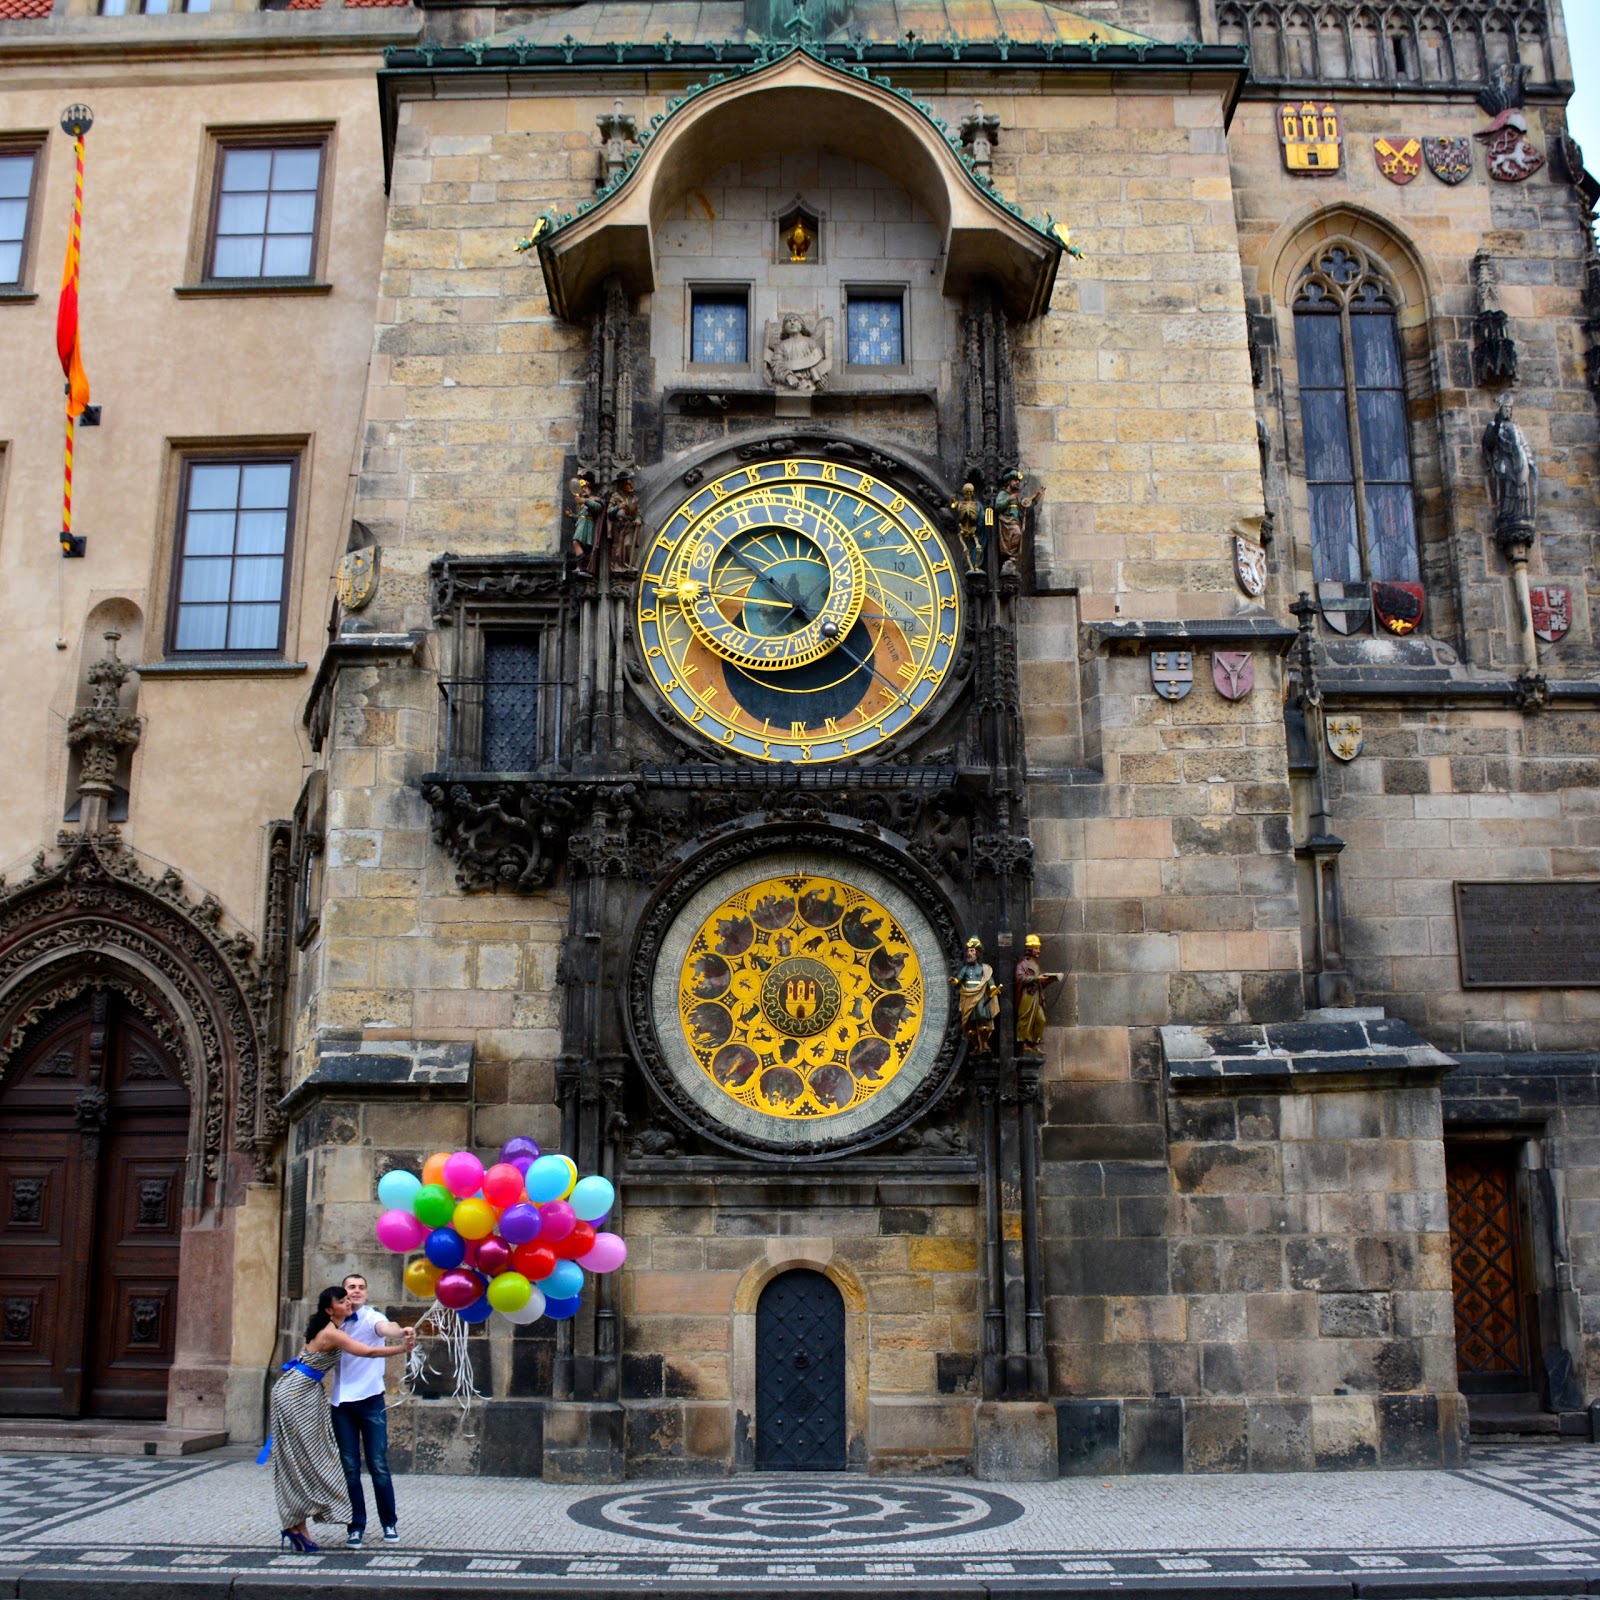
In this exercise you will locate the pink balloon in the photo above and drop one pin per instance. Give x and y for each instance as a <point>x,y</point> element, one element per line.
<point>556,1221</point>
<point>458,1288</point>
<point>463,1174</point>
<point>494,1256</point>
<point>606,1254</point>
<point>400,1231</point>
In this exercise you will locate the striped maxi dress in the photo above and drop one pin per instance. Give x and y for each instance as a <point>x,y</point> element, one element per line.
<point>306,1476</point>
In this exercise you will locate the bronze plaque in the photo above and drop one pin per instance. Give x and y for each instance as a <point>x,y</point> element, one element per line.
<point>1529,935</point>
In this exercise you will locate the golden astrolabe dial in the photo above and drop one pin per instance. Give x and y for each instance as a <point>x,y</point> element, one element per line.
<point>798,610</point>
<point>800,997</point>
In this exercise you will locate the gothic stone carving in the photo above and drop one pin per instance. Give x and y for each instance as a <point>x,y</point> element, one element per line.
<point>799,353</point>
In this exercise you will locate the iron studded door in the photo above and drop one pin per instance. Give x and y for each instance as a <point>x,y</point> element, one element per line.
<point>800,1375</point>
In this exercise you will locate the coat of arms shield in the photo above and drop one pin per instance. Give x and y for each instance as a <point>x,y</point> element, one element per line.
<point>1449,160</point>
<point>1511,157</point>
<point>1233,672</point>
<point>1551,604</point>
<point>1345,606</point>
<point>1399,158</point>
<point>1249,566</point>
<point>1399,605</point>
<point>1172,673</point>
<point>1344,736</point>
<point>357,579</point>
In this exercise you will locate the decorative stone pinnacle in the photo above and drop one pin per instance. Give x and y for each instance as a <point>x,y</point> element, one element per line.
<point>100,732</point>
<point>980,133</point>
<point>619,132</point>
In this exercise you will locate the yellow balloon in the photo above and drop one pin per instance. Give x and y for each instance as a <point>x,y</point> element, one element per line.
<point>474,1219</point>
<point>572,1170</point>
<point>421,1276</point>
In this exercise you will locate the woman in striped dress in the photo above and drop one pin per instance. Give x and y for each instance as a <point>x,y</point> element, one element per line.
<point>306,1475</point>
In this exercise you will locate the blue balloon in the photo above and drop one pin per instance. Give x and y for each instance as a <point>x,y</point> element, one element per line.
<point>444,1247</point>
<point>548,1179</point>
<point>565,1283</point>
<point>396,1190</point>
<point>560,1310</point>
<point>479,1311</point>
<point>591,1199</point>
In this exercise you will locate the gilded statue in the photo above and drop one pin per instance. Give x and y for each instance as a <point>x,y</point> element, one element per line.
<point>978,996</point>
<point>585,513</point>
<point>1030,985</point>
<point>1011,508</point>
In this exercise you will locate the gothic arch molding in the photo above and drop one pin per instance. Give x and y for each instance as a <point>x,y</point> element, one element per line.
<point>96,919</point>
<point>1310,228</point>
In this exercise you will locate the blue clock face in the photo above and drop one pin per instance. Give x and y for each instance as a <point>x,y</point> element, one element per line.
<point>798,610</point>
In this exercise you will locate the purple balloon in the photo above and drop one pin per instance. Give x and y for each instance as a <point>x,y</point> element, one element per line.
<point>519,1146</point>
<point>556,1220</point>
<point>520,1223</point>
<point>522,1163</point>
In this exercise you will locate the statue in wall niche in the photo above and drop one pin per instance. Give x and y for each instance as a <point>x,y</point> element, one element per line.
<point>978,996</point>
<point>621,527</point>
<point>1513,477</point>
<point>968,511</point>
<point>1030,984</point>
<point>1011,509</point>
<point>587,507</point>
<point>799,353</point>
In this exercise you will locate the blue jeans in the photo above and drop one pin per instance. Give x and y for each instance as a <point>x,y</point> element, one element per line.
<point>365,1423</point>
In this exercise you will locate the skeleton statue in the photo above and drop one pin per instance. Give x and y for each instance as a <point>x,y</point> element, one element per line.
<point>967,512</point>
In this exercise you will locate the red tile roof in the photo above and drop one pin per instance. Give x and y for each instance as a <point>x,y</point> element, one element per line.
<point>24,8</point>
<point>352,5</point>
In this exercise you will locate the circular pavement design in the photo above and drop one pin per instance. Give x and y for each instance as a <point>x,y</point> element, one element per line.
<point>769,1513</point>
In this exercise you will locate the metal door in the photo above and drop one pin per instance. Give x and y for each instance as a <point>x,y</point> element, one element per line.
<point>1491,1340</point>
<point>800,1375</point>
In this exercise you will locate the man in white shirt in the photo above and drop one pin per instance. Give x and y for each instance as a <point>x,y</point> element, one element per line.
<point>359,1418</point>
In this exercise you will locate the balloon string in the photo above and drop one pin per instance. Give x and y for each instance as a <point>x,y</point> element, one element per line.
<point>440,1322</point>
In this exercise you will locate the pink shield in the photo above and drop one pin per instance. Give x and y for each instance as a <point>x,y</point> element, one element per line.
<point>1233,672</point>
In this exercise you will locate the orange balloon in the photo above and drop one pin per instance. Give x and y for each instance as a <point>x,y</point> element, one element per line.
<point>433,1167</point>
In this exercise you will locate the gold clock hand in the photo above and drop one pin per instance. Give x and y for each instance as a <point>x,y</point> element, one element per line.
<point>767,578</point>
<point>860,661</point>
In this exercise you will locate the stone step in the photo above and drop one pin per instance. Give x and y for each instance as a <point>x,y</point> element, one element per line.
<point>56,1437</point>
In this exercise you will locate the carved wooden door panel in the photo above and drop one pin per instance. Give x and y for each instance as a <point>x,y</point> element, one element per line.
<point>800,1415</point>
<point>1491,1335</point>
<point>91,1185</point>
<point>133,1291</point>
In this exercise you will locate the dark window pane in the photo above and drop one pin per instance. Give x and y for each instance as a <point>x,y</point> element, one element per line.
<point>1377,351</point>
<point>1335,553</point>
<point>510,703</point>
<point>1385,451</point>
<point>1391,533</point>
<point>876,325</point>
<point>1327,425</point>
<point>720,328</point>
<point>1317,350</point>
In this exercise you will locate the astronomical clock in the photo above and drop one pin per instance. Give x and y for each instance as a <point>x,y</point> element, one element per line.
<point>800,611</point>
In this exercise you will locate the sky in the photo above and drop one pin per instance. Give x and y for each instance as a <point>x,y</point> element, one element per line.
<point>1583,115</point>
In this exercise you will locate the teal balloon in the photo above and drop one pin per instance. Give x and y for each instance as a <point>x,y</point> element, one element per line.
<point>396,1190</point>
<point>565,1282</point>
<point>591,1199</point>
<point>548,1178</point>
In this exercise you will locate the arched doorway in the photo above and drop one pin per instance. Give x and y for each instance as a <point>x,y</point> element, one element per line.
<point>800,1375</point>
<point>94,1134</point>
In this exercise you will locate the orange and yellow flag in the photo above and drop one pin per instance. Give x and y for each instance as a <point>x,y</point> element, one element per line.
<point>68,343</point>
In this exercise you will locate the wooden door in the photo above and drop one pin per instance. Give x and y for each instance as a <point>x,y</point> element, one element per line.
<point>93,1135</point>
<point>1491,1324</point>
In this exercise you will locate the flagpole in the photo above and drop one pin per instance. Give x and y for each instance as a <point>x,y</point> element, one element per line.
<point>76,121</point>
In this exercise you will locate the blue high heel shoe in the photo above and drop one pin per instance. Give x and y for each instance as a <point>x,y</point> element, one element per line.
<point>297,1541</point>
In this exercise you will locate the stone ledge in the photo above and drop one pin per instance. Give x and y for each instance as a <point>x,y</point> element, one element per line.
<point>1249,627</point>
<point>354,1068</point>
<point>1363,1051</point>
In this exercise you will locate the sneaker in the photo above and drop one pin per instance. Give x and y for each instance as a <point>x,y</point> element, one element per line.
<point>353,1539</point>
<point>390,1532</point>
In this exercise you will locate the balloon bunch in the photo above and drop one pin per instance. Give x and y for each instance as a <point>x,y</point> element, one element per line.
<point>515,1238</point>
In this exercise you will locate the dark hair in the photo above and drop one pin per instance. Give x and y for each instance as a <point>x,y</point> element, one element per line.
<point>321,1319</point>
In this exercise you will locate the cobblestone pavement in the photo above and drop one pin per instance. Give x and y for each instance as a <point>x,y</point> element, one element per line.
<point>1523,1521</point>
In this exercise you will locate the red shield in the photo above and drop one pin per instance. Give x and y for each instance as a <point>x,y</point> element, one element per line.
<point>1399,605</point>
<point>1552,610</point>
<point>1399,158</point>
<point>1233,672</point>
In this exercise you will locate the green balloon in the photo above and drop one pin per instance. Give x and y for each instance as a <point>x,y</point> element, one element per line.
<point>434,1205</point>
<point>509,1292</point>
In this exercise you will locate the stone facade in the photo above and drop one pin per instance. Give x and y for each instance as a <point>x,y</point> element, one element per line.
<point>1210,1224</point>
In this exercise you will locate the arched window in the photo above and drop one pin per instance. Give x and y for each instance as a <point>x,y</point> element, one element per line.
<point>1353,408</point>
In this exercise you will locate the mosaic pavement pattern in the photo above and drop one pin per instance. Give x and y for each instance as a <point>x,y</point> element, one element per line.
<point>1515,1514</point>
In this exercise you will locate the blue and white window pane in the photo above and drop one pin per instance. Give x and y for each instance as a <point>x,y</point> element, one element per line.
<point>876,326</point>
<point>16,183</point>
<point>266,213</point>
<point>235,539</point>
<point>720,329</point>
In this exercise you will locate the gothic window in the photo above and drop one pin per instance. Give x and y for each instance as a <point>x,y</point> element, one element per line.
<point>875,320</point>
<point>1353,410</point>
<point>510,702</point>
<point>719,322</point>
